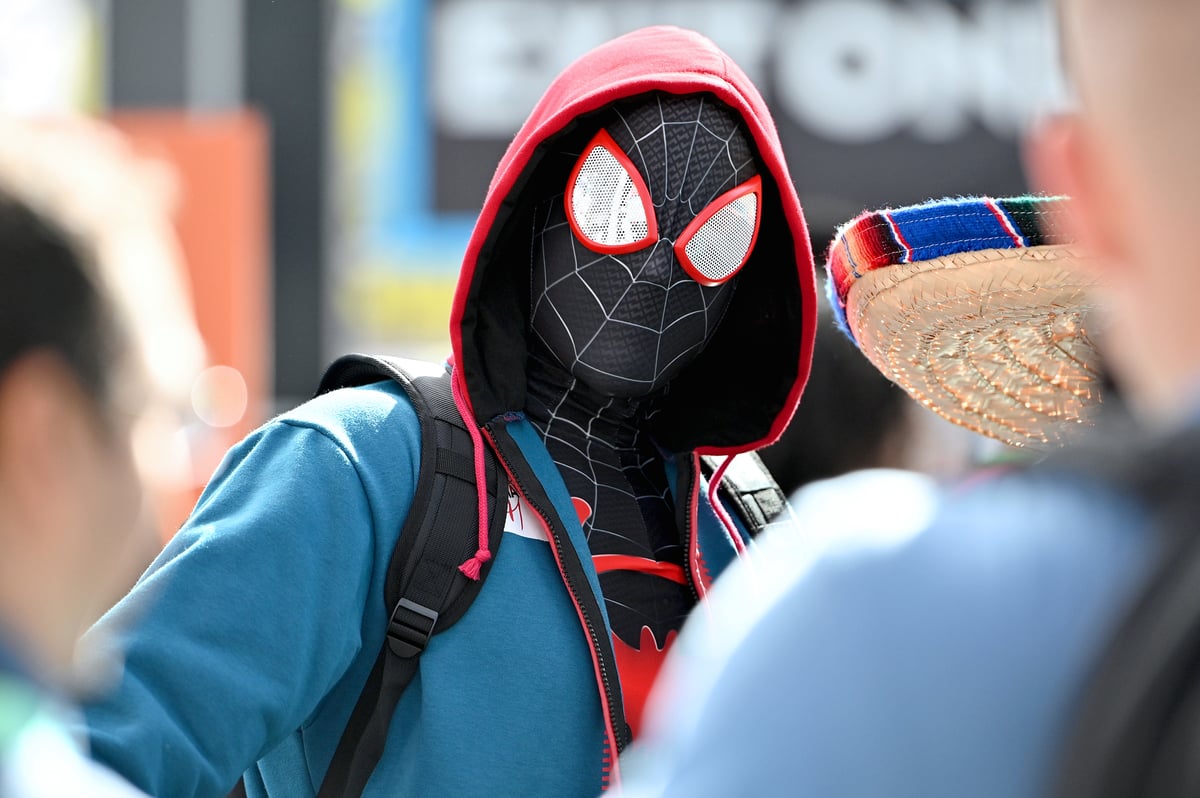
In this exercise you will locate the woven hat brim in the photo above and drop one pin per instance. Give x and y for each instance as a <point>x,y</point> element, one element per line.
<point>994,340</point>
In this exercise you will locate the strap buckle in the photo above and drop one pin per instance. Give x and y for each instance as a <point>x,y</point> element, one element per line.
<point>410,628</point>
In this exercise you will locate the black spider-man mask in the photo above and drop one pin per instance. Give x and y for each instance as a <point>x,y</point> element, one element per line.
<point>636,262</point>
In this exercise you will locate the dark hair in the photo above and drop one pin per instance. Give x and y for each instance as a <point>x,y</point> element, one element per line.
<point>49,300</point>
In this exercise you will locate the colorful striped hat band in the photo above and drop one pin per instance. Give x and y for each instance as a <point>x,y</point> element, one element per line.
<point>976,307</point>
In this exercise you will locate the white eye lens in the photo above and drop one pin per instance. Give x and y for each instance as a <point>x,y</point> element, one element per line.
<point>607,202</point>
<point>719,241</point>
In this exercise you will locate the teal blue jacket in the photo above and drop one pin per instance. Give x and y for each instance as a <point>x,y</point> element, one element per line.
<point>250,637</point>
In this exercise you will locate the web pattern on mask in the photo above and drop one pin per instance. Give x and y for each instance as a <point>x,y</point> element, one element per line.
<point>611,330</point>
<point>630,323</point>
<point>611,465</point>
<point>633,320</point>
<point>633,515</point>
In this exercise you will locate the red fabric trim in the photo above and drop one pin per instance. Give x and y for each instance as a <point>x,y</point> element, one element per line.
<point>665,58</point>
<point>605,141</point>
<point>715,500</point>
<point>751,186</point>
<point>639,671</point>
<point>625,562</point>
<point>606,765</point>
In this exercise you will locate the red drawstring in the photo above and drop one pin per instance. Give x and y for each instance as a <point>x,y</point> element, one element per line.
<point>472,567</point>
<point>715,501</point>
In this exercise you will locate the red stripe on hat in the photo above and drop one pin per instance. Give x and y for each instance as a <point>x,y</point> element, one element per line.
<point>899,238</point>
<point>1005,222</point>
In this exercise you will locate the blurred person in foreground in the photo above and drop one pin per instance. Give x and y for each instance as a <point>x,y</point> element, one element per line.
<point>97,346</point>
<point>1028,640</point>
<point>856,433</point>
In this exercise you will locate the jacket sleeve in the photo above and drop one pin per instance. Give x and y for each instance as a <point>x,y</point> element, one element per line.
<point>245,621</point>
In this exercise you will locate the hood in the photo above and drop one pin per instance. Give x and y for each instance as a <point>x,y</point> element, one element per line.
<point>740,393</point>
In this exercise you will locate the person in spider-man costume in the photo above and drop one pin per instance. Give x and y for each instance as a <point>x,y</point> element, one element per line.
<point>638,292</point>
<point>634,266</point>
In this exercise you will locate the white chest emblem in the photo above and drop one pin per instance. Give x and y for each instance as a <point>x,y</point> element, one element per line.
<point>522,520</point>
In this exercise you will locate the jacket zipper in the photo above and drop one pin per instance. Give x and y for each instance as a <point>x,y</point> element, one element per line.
<point>687,510</point>
<point>616,724</point>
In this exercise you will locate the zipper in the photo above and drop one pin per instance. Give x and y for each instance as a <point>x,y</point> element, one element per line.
<point>687,511</point>
<point>614,711</point>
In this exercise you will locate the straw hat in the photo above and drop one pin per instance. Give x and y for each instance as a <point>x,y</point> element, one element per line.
<point>976,307</point>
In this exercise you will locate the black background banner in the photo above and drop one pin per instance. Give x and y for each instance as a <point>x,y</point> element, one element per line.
<point>878,102</point>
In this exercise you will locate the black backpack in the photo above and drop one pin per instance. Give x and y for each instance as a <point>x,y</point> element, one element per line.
<point>425,589</point>
<point>1136,731</point>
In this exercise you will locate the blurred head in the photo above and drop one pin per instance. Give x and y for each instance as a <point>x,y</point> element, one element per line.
<point>1127,158</point>
<point>97,348</point>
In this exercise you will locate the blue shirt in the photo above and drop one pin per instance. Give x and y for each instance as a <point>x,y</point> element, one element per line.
<point>940,663</point>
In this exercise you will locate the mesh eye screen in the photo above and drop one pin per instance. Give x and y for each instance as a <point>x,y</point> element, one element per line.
<point>718,243</point>
<point>608,203</point>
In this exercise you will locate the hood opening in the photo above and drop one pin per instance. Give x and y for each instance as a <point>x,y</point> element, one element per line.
<point>736,395</point>
<point>495,321</point>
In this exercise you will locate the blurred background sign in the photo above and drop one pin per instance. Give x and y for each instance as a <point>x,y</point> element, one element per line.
<point>334,153</point>
<point>386,118</point>
<point>170,76</point>
<point>219,160</point>
<point>878,102</point>
<point>46,55</point>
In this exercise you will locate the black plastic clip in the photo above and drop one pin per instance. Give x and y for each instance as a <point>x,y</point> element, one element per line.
<point>410,628</point>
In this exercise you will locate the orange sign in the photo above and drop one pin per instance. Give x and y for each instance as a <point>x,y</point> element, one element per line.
<point>221,162</point>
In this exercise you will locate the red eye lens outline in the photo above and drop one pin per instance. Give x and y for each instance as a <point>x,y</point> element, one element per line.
<point>605,142</point>
<point>753,186</point>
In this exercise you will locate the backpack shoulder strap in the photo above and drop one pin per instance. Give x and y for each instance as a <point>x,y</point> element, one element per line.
<point>1137,725</point>
<point>749,488</point>
<point>425,591</point>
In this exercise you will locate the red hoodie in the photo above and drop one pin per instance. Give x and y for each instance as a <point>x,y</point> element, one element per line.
<point>740,393</point>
